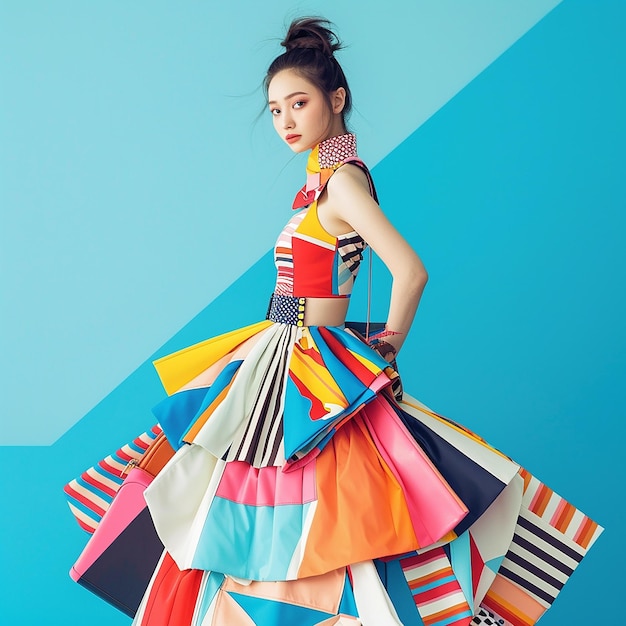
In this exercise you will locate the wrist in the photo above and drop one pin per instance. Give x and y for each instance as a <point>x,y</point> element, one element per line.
<point>385,349</point>
<point>386,342</point>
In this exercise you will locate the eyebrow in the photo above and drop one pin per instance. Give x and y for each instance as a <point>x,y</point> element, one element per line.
<point>291,95</point>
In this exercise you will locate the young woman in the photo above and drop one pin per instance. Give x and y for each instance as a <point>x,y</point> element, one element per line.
<point>302,490</point>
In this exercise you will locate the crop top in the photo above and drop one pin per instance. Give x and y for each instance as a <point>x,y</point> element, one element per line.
<point>311,262</point>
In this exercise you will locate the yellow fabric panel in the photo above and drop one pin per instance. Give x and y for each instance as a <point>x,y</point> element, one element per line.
<point>370,365</point>
<point>177,369</point>
<point>311,227</point>
<point>315,376</point>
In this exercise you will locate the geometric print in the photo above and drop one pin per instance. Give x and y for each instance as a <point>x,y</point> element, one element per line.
<point>90,494</point>
<point>350,248</point>
<point>336,149</point>
<point>549,542</point>
<point>520,586</point>
<point>558,513</point>
<point>335,260</point>
<point>447,583</point>
<point>283,256</point>
<point>292,441</point>
<point>436,591</point>
<point>259,441</point>
<point>538,560</point>
<point>487,618</point>
<point>331,262</point>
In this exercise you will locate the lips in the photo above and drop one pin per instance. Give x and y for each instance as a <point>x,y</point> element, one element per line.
<point>292,138</point>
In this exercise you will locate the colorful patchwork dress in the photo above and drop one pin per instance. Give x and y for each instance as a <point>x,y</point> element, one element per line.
<point>303,492</point>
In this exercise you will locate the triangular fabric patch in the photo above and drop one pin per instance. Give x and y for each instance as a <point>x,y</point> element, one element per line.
<point>494,564</point>
<point>267,612</point>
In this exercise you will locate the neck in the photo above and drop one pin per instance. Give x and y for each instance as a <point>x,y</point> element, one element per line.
<point>336,128</point>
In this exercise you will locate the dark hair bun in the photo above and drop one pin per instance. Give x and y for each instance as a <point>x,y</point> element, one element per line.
<point>311,44</point>
<point>312,33</point>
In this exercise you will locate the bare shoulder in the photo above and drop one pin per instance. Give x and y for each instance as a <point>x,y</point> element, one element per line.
<point>347,177</point>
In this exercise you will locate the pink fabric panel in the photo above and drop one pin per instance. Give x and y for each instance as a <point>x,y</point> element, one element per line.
<point>267,486</point>
<point>126,505</point>
<point>419,478</point>
<point>312,181</point>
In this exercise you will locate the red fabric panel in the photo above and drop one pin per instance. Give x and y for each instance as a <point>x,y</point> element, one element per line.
<point>312,270</point>
<point>173,596</point>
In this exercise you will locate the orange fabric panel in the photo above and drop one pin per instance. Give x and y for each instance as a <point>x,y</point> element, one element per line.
<point>356,489</point>
<point>320,593</point>
<point>229,613</point>
<point>513,603</point>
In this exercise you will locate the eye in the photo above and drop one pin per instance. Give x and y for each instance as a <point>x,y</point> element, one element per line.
<point>275,111</point>
<point>299,104</point>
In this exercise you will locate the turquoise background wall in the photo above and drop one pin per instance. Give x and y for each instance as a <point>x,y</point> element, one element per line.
<point>496,134</point>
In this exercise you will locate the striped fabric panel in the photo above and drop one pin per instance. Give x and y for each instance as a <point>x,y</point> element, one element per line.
<point>350,248</point>
<point>510,605</point>
<point>283,256</point>
<point>539,562</point>
<point>90,494</point>
<point>559,513</point>
<point>436,590</point>
<point>261,442</point>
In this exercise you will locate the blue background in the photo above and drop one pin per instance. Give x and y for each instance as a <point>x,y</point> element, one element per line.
<point>140,197</point>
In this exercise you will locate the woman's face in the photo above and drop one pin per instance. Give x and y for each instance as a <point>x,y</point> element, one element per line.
<point>300,112</point>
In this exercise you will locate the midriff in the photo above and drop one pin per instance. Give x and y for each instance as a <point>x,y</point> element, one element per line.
<point>325,311</point>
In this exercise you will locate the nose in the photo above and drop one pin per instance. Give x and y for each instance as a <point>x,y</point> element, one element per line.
<point>287,121</point>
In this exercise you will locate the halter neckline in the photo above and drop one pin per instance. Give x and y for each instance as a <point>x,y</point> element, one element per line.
<point>324,159</point>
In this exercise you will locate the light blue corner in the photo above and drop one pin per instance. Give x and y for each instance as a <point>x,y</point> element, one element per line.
<point>136,185</point>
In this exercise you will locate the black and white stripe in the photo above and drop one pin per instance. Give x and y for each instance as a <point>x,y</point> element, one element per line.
<point>540,559</point>
<point>260,441</point>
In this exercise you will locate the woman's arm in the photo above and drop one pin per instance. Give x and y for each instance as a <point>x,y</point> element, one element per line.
<point>348,205</point>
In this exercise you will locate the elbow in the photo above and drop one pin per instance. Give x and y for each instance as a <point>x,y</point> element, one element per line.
<point>414,279</point>
<point>420,278</point>
<point>419,274</point>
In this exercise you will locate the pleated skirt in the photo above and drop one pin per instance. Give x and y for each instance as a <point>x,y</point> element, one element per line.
<point>302,492</point>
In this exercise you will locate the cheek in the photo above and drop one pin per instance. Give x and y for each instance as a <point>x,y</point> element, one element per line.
<point>321,115</point>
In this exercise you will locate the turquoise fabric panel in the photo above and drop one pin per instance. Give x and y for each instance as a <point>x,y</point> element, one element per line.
<point>255,542</point>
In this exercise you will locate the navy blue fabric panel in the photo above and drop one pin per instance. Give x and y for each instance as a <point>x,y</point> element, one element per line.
<point>122,573</point>
<point>471,482</point>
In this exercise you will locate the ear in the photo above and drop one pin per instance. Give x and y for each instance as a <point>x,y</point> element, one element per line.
<point>338,100</point>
